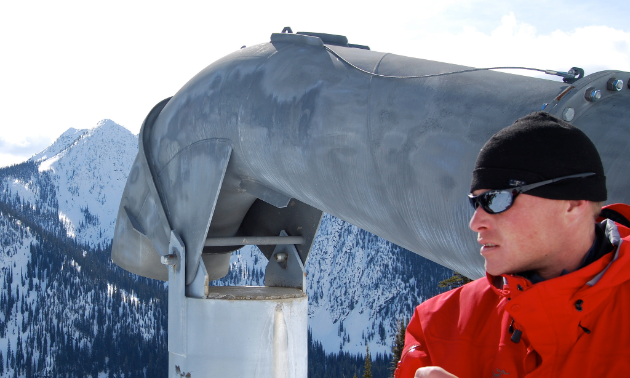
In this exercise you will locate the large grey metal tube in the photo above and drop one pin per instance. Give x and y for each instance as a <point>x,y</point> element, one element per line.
<point>392,156</point>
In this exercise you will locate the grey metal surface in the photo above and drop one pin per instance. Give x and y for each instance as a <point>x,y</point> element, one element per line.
<point>199,287</point>
<point>237,332</point>
<point>216,266</point>
<point>297,218</point>
<point>190,182</point>
<point>177,316</point>
<point>268,195</point>
<point>209,327</point>
<point>142,232</point>
<point>392,156</point>
<point>285,268</point>
<point>254,240</point>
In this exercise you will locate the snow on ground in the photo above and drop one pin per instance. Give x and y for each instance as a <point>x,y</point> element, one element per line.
<point>22,189</point>
<point>360,286</point>
<point>14,255</point>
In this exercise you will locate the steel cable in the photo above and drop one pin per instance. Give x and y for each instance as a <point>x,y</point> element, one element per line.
<point>548,72</point>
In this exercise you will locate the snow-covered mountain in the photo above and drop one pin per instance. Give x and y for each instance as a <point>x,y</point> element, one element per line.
<point>359,285</point>
<point>89,169</point>
<point>65,309</point>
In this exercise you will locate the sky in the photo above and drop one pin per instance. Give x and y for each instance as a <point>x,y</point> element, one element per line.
<point>70,64</point>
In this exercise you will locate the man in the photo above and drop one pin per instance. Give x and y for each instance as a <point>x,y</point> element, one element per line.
<point>555,301</point>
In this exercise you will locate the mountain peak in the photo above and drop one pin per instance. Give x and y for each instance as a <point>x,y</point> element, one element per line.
<point>106,122</point>
<point>105,129</point>
<point>109,129</point>
<point>71,131</point>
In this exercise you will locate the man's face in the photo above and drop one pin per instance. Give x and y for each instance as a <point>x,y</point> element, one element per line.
<point>525,237</point>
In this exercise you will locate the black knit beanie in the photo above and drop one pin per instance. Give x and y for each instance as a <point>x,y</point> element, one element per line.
<point>541,147</point>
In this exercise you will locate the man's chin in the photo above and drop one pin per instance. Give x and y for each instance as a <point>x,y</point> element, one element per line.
<point>494,270</point>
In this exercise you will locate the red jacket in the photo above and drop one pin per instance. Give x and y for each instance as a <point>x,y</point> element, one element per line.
<point>576,325</point>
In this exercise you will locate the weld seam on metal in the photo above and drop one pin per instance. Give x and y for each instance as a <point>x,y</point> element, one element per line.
<point>189,146</point>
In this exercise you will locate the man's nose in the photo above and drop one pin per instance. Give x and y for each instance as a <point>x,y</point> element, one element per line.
<point>479,220</point>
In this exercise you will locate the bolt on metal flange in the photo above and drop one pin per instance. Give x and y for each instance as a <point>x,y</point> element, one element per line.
<point>169,260</point>
<point>593,95</point>
<point>614,84</point>
<point>568,114</point>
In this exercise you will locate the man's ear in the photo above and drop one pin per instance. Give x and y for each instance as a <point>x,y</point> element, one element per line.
<point>577,205</point>
<point>579,208</point>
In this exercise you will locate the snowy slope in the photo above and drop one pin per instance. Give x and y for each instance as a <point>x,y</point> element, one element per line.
<point>66,310</point>
<point>14,258</point>
<point>360,286</point>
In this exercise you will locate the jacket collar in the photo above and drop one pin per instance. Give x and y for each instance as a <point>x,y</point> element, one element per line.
<point>602,271</point>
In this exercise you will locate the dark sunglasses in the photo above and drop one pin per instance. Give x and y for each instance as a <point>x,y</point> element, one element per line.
<point>498,201</point>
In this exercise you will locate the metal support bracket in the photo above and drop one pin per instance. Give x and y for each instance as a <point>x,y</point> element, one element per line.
<point>254,240</point>
<point>199,287</point>
<point>177,305</point>
<point>285,268</point>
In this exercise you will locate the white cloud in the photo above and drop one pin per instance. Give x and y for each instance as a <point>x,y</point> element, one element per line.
<point>515,43</point>
<point>17,151</point>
